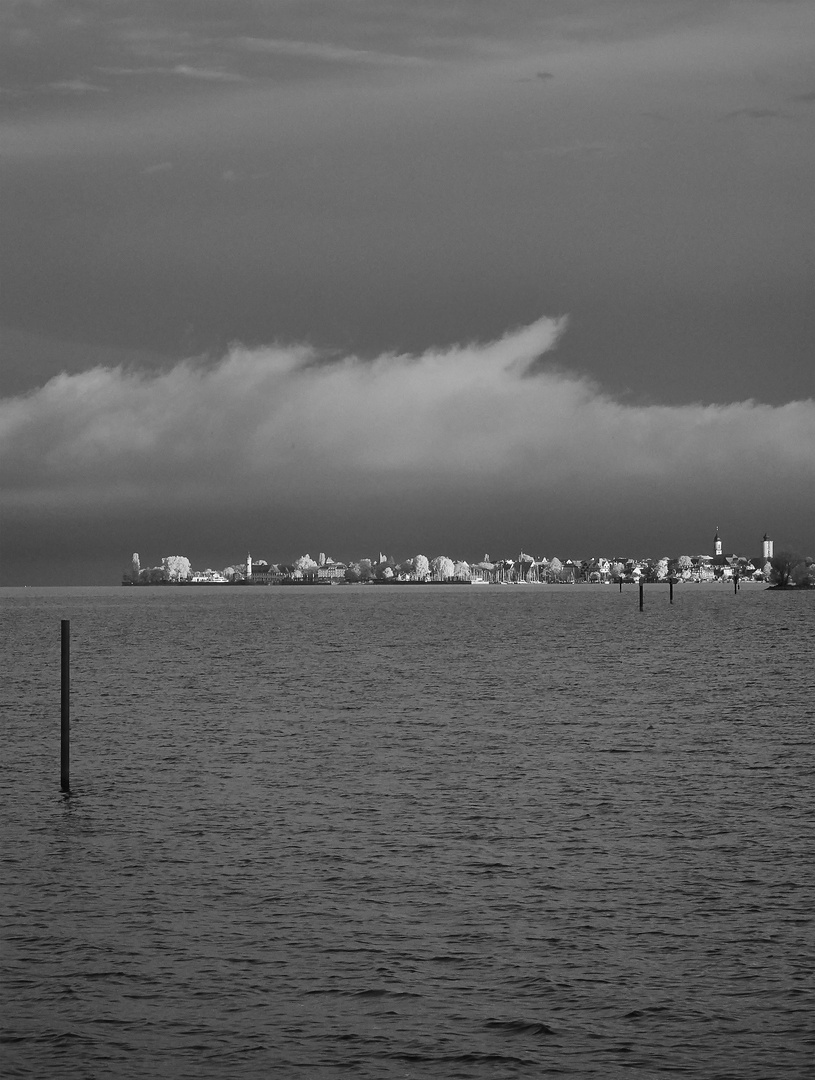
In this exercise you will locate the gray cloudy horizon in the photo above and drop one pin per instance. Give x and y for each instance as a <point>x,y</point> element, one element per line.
<point>443,277</point>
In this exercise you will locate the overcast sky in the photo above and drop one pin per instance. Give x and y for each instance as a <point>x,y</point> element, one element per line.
<point>449,277</point>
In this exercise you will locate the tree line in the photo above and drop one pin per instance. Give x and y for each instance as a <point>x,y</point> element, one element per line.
<point>784,569</point>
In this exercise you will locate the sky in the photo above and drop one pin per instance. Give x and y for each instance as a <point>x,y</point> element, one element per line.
<point>447,277</point>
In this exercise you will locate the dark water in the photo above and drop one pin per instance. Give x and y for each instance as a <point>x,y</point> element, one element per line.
<point>380,833</point>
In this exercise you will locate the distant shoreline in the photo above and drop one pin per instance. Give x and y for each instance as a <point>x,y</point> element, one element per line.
<point>606,586</point>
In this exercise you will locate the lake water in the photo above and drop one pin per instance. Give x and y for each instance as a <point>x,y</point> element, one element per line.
<point>405,832</point>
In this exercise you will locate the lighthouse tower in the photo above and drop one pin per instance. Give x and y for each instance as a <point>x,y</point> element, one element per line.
<point>717,543</point>
<point>248,567</point>
<point>767,551</point>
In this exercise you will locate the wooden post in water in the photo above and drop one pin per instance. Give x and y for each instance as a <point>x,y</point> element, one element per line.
<point>621,582</point>
<point>671,586</point>
<point>65,731</point>
<point>641,588</point>
<point>735,585</point>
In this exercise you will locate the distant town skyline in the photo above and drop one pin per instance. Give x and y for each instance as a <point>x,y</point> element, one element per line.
<point>717,549</point>
<point>506,568</point>
<point>425,277</point>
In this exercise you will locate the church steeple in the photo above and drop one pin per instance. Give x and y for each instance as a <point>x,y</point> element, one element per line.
<point>717,543</point>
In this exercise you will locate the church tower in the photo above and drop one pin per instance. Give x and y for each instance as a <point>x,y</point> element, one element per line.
<point>248,567</point>
<point>767,551</point>
<point>717,543</point>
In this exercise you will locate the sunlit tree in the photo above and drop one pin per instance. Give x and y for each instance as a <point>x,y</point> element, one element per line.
<point>442,567</point>
<point>421,567</point>
<point>305,562</point>
<point>385,568</point>
<point>176,567</point>
<point>803,575</point>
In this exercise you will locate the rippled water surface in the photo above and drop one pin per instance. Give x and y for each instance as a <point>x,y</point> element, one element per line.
<point>406,832</point>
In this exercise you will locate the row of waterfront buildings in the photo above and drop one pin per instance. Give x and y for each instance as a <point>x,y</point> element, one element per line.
<point>520,569</point>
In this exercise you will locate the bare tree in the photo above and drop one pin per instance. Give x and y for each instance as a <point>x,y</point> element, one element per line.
<point>782,565</point>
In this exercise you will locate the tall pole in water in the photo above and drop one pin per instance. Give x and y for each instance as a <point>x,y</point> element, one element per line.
<point>65,730</point>
<point>641,588</point>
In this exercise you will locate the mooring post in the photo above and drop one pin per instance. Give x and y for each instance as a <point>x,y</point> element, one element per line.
<point>641,588</point>
<point>671,586</point>
<point>735,585</point>
<point>65,731</point>
<point>621,583</point>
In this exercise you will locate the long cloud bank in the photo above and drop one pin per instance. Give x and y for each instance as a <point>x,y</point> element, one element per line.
<point>264,425</point>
